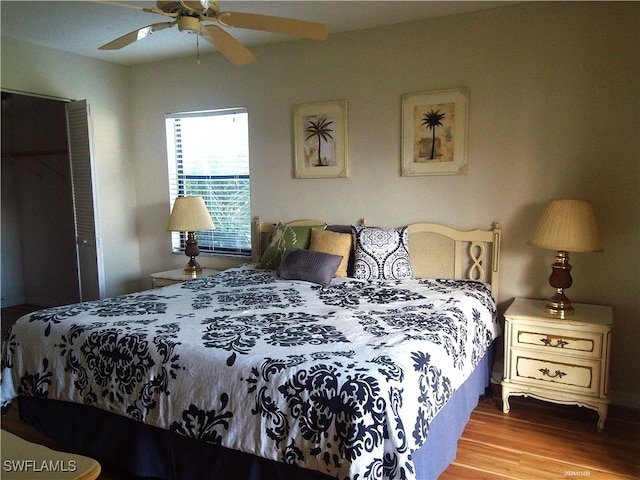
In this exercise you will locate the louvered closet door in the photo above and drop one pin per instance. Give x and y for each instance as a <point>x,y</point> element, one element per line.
<point>88,241</point>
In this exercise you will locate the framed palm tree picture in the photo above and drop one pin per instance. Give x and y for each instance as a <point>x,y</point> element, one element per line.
<point>434,133</point>
<point>321,140</point>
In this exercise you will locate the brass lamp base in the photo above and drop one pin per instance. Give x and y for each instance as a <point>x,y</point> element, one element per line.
<point>192,268</point>
<point>560,279</point>
<point>559,305</point>
<point>192,251</point>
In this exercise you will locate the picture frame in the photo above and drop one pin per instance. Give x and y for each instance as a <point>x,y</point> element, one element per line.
<point>321,140</point>
<point>434,133</point>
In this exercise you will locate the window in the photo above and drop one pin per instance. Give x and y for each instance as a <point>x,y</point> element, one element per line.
<point>208,155</point>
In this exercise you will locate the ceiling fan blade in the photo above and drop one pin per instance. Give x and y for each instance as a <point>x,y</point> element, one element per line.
<point>228,46</point>
<point>268,23</point>
<point>136,35</point>
<point>144,8</point>
<point>120,4</point>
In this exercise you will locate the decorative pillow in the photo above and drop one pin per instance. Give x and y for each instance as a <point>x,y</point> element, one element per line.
<point>334,243</point>
<point>285,237</point>
<point>345,229</point>
<point>310,266</point>
<point>381,253</point>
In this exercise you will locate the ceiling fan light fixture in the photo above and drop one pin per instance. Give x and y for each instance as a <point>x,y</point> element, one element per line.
<point>192,16</point>
<point>189,24</point>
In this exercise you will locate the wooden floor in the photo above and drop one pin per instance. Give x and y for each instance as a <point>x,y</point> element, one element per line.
<point>536,441</point>
<point>539,440</point>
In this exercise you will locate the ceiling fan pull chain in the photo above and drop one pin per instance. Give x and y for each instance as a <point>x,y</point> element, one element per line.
<point>198,47</point>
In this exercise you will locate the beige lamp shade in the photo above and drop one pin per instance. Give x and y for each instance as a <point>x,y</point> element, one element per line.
<point>568,225</point>
<point>189,214</point>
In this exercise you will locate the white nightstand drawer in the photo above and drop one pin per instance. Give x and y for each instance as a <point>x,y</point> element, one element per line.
<point>563,360</point>
<point>555,372</point>
<point>551,340</point>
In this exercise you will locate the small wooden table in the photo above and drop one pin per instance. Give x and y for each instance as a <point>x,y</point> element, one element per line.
<point>170,277</point>
<point>23,460</point>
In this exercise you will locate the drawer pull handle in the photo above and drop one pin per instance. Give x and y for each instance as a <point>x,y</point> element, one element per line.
<point>556,374</point>
<point>560,343</point>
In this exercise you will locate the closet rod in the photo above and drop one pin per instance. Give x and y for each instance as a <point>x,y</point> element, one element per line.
<point>36,154</point>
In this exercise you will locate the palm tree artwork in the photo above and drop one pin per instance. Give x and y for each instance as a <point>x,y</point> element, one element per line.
<point>432,120</point>
<point>321,128</point>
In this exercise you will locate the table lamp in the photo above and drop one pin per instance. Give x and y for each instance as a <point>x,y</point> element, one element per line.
<point>190,214</point>
<point>565,226</point>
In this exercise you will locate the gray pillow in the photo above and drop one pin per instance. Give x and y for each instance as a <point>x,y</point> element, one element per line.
<point>310,266</point>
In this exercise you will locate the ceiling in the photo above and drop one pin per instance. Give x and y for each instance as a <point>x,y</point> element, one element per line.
<point>80,27</point>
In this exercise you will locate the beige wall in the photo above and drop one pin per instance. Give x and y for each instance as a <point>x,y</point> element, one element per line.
<point>554,112</point>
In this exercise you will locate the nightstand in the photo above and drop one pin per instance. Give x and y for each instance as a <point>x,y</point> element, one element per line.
<point>162,279</point>
<point>558,360</point>
<point>22,459</point>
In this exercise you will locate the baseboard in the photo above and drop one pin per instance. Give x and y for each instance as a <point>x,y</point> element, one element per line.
<point>12,301</point>
<point>42,301</point>
<point>496,373</point>
<point>625,399</point>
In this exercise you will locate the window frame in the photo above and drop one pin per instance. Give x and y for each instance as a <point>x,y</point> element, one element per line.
<point>210,242</point>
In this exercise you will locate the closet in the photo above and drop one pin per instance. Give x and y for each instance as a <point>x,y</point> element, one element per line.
<point>38,243</point>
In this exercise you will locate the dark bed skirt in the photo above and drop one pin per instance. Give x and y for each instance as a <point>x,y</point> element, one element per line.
<point>147,451</point>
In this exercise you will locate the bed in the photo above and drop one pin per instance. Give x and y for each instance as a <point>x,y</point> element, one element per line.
<point>275,370</point>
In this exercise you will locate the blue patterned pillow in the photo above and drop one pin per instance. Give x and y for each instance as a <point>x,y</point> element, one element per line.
<point>381,253</point>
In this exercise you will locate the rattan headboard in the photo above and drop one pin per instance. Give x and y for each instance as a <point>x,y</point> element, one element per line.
<point>436,251</point>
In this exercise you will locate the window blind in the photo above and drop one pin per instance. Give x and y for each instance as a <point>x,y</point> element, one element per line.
<point>208,155</point>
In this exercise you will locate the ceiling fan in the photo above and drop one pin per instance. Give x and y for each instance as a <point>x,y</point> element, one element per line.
<point>191,17</point>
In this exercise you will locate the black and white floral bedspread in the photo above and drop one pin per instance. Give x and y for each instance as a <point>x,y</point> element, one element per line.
<point>342,379</point>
